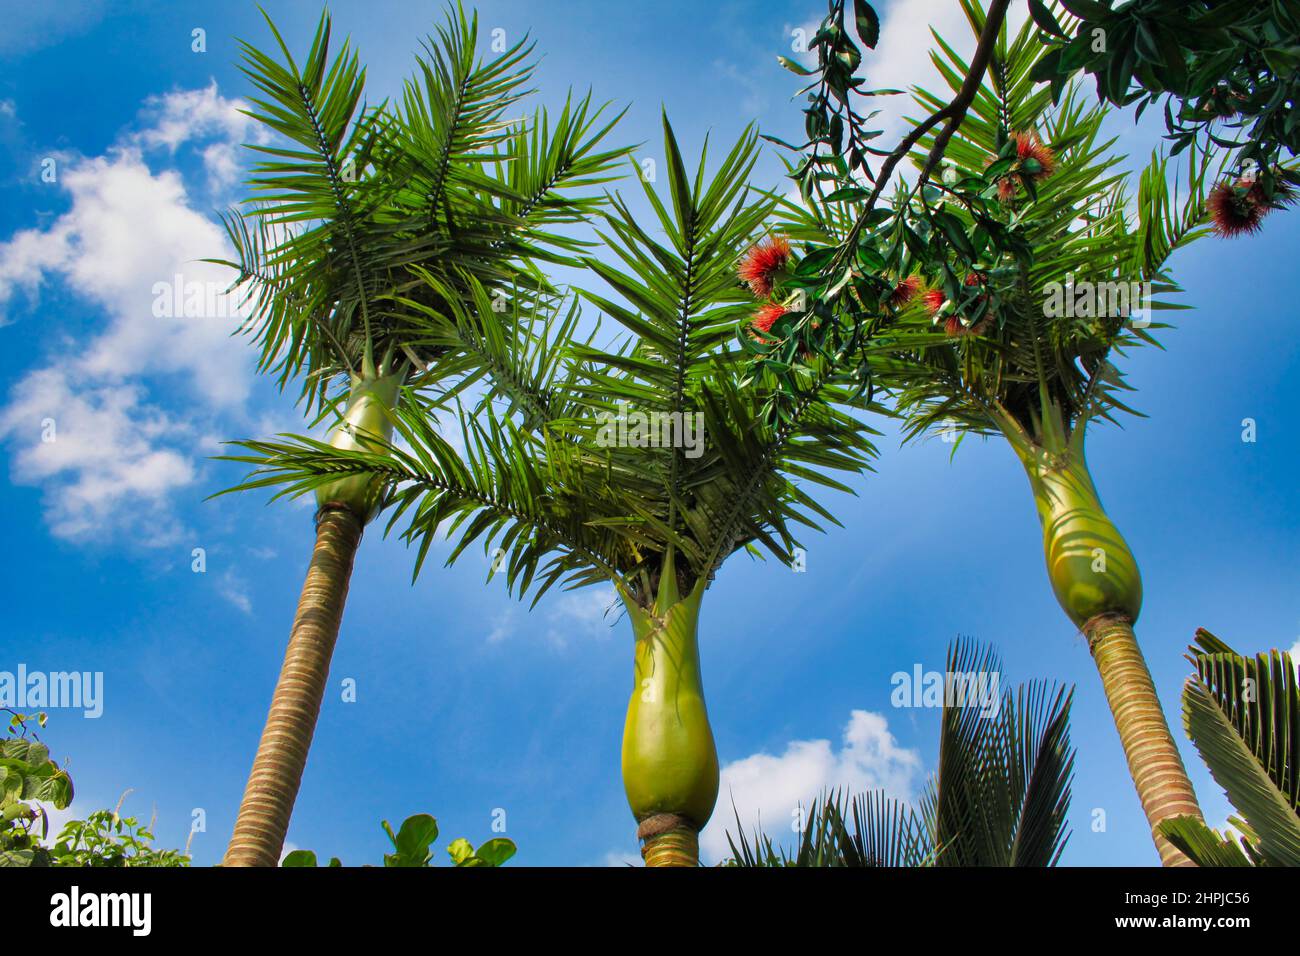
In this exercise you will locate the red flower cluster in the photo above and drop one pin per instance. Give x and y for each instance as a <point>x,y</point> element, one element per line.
<point>760,268</point>
<point>954,324</point>
<point>934,300</point>
<point>1033,161</point>
<point>761,264</point>
<point>905,291</point>
<point>1237,209</point>
<point>766,317</point>
<point>1037,161</point>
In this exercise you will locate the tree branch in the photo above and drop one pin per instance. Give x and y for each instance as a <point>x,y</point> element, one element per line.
<point>951,115</point>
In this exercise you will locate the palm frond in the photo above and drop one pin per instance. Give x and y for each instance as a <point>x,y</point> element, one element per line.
<point>1243,715</point>
<point>1000,795</point>
<point>865,830</point>
<point>1003,784</point>
<point>1204,846</point>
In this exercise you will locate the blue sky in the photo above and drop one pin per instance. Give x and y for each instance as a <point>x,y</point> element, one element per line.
<point>466,702</point>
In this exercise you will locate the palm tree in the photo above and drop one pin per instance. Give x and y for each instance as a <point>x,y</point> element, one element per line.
<point>350,205</point>
<point>1016,344</point>
<point>1000,796</point>
<point>974,300</point>
<point>1243,715</point>
<point>615,488</point>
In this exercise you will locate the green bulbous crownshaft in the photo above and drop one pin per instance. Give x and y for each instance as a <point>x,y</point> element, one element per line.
<point>1089,563</point>
<point>1097,584</point>
<point>365,426</point>
<point>670,762</point>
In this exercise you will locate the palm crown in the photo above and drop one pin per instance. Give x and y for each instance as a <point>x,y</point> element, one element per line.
<point>359,196</point>
<point>1011,300</point>
<point>1024,340</point>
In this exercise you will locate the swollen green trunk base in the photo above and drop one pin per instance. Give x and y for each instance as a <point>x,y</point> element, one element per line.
<point>1089,563</point>
<point>1097,583</point>
<point>365,420</point>
<point>670,763</point>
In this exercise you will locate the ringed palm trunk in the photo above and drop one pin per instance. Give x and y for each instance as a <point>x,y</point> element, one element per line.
<point>1097,583</point>
<point>670,762</point>
<point>345,506</point>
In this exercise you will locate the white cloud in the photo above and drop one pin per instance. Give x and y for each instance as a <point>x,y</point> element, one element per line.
<point>591,612</point>
<point>34,26</point>
<point>98,451</point>
<point>768,790</point>
<point>185,116</point>
<point>128,247</point>
<point>128,234</point>
<point>621,858</point>
<point>235,590</point>
<point>502,627</point>
<point>901,60</point>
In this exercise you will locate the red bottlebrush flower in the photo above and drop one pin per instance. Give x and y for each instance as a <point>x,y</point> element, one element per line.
<point>934,300</point>
<point>1036,160</point>
<point>953,326</point>
<point>905,292</point>
<point>1234,209</point>
<point>973,279</point>
<point>763,321</point>
<point>759,266</point>
<point>1007,188</point>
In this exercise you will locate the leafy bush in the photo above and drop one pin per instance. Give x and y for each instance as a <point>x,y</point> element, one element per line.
<point>413,843</point>
<point>28,777</point>
<point>108,839</point>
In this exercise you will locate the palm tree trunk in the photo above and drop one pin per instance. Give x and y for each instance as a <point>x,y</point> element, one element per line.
<point>1097,583</point>
<point>670,762</point>
<point>1153,758</point>
<point>282,752</point>
<point>669,840</point>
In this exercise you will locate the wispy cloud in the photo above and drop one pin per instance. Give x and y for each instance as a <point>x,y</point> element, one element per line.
<point>101,452</point>
<point>620,858</point>
<point>586,614</point>
<point>234,589</point>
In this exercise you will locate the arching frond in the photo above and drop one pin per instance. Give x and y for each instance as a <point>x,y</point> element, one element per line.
<point>1243,715</point>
